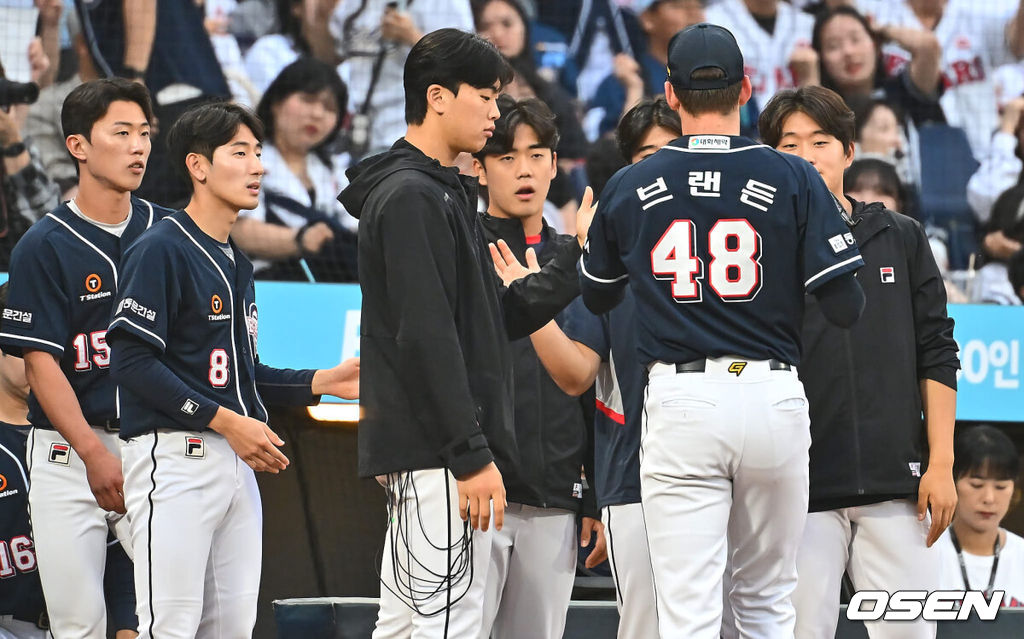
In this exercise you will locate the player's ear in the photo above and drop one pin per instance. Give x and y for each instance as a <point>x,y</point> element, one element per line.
<point>746,90</point>
<point>437,98</point>
<point>198,166</point>
<point>848,159</point>
<point>670,97</point>
<point>481,173</point>
<point>554,164</point>
<point>76,146</point>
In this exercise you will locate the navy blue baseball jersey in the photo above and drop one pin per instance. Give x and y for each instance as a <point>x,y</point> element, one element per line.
<point>64,277</point>
<point>21,594</point>
<point>719,238</point>
<point>192,300</point>
<point>620,397</point>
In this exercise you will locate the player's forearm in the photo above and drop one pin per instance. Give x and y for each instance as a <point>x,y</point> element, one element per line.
<point>265,241</point>
<point>57,399</point>
<point>564,360</point>
<point>939,403</point>
<point>139,32</point>
<point>532,301</point>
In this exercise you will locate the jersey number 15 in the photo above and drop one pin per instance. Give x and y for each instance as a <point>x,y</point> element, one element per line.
<point>734,271</point>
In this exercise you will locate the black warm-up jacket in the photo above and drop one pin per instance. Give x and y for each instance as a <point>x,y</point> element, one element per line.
<point>863,383</point>
<point>436,366</point>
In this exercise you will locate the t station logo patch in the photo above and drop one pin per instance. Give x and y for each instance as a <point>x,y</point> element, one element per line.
<point>59,454</point>
<point>194,447</point>
<point>93,284</point>
<point>217,308</point>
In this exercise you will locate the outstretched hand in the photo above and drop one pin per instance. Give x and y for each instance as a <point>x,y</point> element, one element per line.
<point>585,215</point>
<point>340,381</point>
<point>508,268</point>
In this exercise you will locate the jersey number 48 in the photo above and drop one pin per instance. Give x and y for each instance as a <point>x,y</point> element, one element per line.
<point>734,272</point>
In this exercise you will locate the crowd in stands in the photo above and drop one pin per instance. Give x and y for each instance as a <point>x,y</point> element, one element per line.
<point>936,86</point>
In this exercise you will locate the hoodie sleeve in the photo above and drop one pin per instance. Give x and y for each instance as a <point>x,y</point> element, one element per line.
<point>933,329</point>
<point>419,254</point>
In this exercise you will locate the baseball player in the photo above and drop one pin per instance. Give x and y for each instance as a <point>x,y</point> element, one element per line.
<point>183,350</point>
<point>64,277</point>
<point>533,556</point>
<point>775,38</point>
<point>870,486</point>
<point>976,38</point>
<point>602,349</point>
<point>719,238</point>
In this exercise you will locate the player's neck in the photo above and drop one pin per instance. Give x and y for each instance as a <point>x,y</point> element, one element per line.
<point>976,542</point>
<point>102,203</point>
<point>532,225</point>
<point>710,123</point>
<point>13,408</point>
<point>429,139</point>
<point>213,217</point>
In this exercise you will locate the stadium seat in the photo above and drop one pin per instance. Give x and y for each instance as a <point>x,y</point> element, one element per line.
<point>946,165</point>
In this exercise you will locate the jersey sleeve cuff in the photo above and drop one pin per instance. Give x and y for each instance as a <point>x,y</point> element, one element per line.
<point>15,345</point>
<point>831,272</point>
<point>468,455</point>
<point>138,331</point>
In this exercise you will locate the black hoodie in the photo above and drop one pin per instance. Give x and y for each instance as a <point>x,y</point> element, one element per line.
<point>436,370</point>
<point>867,435</point>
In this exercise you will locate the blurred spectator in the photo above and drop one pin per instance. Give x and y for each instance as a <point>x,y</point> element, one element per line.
<point>373,38</point>
<point>1001,166</point>
<point>299,217</point>
<point>603,160</point>
<point>975,38</point>
<point>851,64</point>
<point>546,45</point>
<point>226,48</point>
<point>27,193</point>
<point>633,79</point>
<point>976,553</point>
<point>1016,269</point>
<point>648,126</point>
<point>303,26</point>
<point>1003,237</point>
<point>880,134</point>
<point>775,39</point>
<point>166,46</point>
<point>818,7</point>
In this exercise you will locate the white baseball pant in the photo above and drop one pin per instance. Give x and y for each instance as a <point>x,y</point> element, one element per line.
<point>883,547</point>
<point>531,573</point>
<point>630,562</point>
<point>724,455</point>
<point>197,525</point>
<point>11,628</point>
<point>422,548</point>
<point>70,534</point>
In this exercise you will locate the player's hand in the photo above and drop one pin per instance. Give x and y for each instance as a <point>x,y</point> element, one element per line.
<point>600,551</point>
<point>938,492</point>
<point>508,268</point>
<point>999,246</point>
<point>315,237</point>
<point>251,439</point>
<point>103,470</point>
<point>478,491</point>
<point>340,381</point>
<point>803,62</point>
<point>585,215</point>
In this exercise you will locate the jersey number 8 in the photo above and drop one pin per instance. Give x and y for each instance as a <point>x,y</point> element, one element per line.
<point>219,373</point>
<point>734,271</point>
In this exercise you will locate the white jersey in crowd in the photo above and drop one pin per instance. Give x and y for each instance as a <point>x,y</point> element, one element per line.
<point>765,56</point>
<point>327,183</point>
<point>356,28</point>
<point>1009,573</point>
<point>973,38</point>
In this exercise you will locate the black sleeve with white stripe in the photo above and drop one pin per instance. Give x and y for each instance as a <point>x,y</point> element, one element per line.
<point>136,367</point>
<point>285,386</point>
<point>146,299</point>
<point>37,315</point>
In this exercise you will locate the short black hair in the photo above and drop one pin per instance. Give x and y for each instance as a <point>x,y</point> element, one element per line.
<point>603,161</point>
<point>203,128</point>
<point>305,75</point>
<point>701,101</point>
<point>89,102</point>
<point>985,451</point>
<point>824,106</point>
<point>878,175</point>
<point>639,120</point>
<point>530,112</point>
<point>450,58</point>
<point>289,24</point>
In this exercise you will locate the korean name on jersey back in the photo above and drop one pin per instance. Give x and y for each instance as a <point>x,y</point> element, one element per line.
<point>63,280</point>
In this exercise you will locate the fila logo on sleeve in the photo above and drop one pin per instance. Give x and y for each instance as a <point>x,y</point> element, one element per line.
<point>888,274</point>
<point>194,447</point>
<point>59,454</point>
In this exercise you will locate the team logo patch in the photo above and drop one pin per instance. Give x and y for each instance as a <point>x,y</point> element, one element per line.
<point>710,142</point>
<point>194,447</point>
<point>59,454</point>
<point>93,282</point>
<point>216,305</point>
<point>849,239</point>
<point>252,323</point>
<point>21,317</point>
<point>737,368</point>
<point>888,274</point>
<point>915,468</point>
<point>577,490</point>
<point>189,407</point>
<point>3,483</point>
<point>838,243</point>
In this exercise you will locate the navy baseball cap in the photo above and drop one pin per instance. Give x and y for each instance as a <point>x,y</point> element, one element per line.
<point>700,46</point>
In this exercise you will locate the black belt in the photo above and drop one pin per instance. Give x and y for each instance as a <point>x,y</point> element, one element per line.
<point>698,365</point>
<point>109,425</point>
